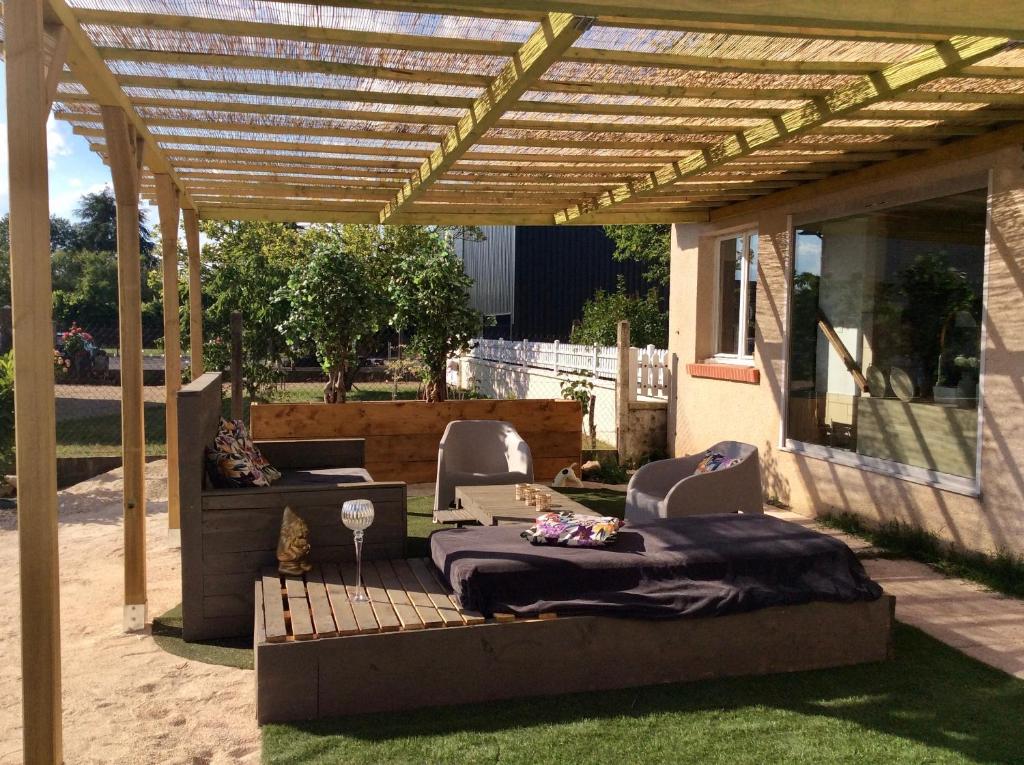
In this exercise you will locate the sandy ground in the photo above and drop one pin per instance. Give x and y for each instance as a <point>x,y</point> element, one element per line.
<point>125,700</point>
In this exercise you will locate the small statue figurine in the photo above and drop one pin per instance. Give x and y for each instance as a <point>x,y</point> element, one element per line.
<point>293,544</point>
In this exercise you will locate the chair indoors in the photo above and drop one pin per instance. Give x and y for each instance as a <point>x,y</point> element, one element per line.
<point>479,453</point>
<point>677,487</point>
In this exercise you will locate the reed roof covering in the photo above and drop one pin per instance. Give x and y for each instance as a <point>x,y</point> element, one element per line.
<point>371,111</point>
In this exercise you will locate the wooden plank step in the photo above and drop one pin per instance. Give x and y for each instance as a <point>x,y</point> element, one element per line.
<point>338,596</point>
<point>365,617</point>
<point>319,604</point>
<point>273,609</point>
<point>471,617</point>
<point>447,611</point>
<point>298,607</point>
<point>420,600</point>
<point>386,616</point>
<point>407,615</point>
<point>456,515</point>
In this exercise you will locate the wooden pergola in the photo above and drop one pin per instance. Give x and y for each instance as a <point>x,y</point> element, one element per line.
<point>462,112</point>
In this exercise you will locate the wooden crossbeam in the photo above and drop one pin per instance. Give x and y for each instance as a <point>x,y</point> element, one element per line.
<point>89,69</point>
<point>556,33</point>
<point>55,64</point>
<point>982,17</point>
<point>941,60</point>
<point>439,218</point>
<point>598,56</point>
<point>279,64</point>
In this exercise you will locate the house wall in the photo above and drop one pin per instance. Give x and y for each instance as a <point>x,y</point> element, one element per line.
<point>708,410</point>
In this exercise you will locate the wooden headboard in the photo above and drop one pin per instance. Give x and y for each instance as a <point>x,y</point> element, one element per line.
<point>402,436</point>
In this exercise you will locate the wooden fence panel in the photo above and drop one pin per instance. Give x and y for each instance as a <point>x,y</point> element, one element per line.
<point>402,436</point>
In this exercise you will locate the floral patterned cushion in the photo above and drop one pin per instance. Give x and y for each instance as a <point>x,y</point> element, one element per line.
<point>235,461</point>
<point>713,461</point>
<point>571,530</point>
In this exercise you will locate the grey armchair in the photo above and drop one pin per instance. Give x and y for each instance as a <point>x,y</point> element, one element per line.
<point>669,488</point>
<point>479,453</point>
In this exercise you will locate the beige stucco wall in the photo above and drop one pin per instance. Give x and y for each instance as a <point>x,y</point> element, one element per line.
<point>710,410</point>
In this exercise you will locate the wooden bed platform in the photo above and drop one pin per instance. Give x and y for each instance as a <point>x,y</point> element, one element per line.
<point>317,655</point>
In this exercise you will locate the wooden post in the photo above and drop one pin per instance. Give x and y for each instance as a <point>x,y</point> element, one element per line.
<point>34,425</point>
<point>167,202</point>
<point>124,147</point>
<point>236,365</point>
<point>195,295</point>
<point>623,384</point>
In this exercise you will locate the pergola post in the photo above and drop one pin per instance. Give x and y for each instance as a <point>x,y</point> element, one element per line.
<point>167,202</point>
<point>34,428</point>
<point>195,294</point>
<point>124,146</point>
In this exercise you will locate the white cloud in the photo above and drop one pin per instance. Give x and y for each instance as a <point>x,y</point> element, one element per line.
<point>56,141</point>
<point>64,202</point>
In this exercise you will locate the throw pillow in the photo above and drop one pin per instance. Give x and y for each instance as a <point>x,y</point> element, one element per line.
<point>712,461</point>
<point>249,448</point>
<point>234,461</point>
<point>571,530</point>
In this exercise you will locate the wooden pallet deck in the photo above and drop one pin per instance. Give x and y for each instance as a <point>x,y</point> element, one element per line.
<point>405,595</point>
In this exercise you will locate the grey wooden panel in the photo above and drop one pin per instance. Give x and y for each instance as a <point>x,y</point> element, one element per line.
<point>313,495</point>
<point>338,596</point>
<point>491,657</point>
<point>386,512</point>
<point>243,562</point>
<point>199,407</point>
<point>298,608</point>
<point>311,454</point>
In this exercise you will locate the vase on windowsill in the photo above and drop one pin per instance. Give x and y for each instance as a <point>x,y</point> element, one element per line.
<point>946,395</point>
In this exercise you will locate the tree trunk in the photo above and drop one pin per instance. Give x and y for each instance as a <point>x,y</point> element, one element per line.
<point>437,388</point>
<point>342,383</point>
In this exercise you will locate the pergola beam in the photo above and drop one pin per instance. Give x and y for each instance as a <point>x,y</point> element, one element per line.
<point>941,60</point>
<point>982,17</point>
<point>556,33</point>
<point>89,69</point>
<point>195,294</point>
<point>597,56</point>
<point>169,211</point>
<point>125,152</point>
<point>55,65</point>
<point>34,417</point>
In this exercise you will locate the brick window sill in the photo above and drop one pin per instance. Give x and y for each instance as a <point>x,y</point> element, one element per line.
<point>730,372</point>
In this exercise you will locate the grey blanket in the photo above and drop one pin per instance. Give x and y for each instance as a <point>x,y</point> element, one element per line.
<point>707,565</point>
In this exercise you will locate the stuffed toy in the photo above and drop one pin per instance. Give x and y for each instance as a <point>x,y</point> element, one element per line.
<point>567,477</point>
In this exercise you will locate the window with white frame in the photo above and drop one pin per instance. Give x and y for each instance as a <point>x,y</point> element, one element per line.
<point>736,297</point>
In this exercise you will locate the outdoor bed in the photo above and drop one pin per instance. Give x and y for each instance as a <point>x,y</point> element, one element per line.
<point>490,617</point>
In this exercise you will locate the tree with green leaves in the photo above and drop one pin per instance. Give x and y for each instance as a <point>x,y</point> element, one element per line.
<point>247,263</point>
<point>648,324</point>
<point>335,300</point>
<point>429,292</point>
<point>648,244</point>
<point>97,226</point>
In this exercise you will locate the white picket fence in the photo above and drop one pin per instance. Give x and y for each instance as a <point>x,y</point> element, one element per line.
<point>650,365</point>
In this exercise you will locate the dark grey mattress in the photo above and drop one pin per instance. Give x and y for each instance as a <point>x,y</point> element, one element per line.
<point>322,475</point>
<point>705,565</point>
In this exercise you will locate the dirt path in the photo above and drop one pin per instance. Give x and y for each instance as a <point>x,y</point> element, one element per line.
<point>125,700</point>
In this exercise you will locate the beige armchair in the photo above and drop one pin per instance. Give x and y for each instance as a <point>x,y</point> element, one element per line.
<point>479,453</point>
<point>669,488</point>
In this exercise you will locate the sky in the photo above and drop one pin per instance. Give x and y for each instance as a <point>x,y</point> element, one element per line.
<point>74,169</point>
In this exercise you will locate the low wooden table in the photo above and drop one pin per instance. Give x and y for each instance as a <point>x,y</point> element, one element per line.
<point>491,505</point>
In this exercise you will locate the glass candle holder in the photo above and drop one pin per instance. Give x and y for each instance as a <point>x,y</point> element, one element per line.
<point>357,515</point>
<point>529,494</point>
<point>520,488</point>
<point>543,501</point>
